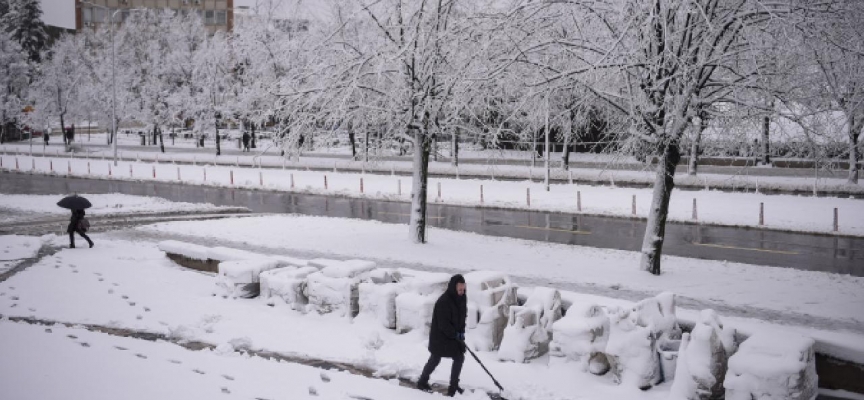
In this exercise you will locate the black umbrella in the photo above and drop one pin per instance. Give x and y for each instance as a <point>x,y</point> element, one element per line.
<point>74,202</point>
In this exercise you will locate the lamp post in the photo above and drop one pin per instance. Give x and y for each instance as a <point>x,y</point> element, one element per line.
<point>113,74</point>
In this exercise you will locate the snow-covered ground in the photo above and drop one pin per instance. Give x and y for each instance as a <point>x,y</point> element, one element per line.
<point>784,212</point>
<point>132,285</point>
<point>56,362</point>
<point>14,249</point>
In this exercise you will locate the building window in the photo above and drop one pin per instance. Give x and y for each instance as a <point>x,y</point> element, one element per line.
<point>222,17</point>
<point>87,14</point>
<point>209,17</point>
<point>98,15</point>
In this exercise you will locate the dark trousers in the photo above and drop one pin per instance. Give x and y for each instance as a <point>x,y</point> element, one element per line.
<point>433,362</point>
<point>84,235</point>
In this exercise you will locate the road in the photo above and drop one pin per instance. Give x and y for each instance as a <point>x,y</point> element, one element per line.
<point>842,255</point>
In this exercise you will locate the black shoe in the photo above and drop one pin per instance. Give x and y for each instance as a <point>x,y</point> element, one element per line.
<point>453,389</point>
<point>424,386</point>
<point>71,246</point>
<point>91,245</point>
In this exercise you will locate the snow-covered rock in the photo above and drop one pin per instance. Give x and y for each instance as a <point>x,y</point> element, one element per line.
<point>287,284</point>
<point>702,360</point>
<point>582,336</point>
<point>773,367</point>
<point>493,294</point>
<point>529,327</point>
<point>241,278</point>
<point>334,288</point>
<point>632,351</point>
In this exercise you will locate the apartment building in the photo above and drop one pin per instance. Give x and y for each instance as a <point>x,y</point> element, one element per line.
<point>216,14</point>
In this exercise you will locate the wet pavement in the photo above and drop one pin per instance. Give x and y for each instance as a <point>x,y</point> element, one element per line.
<point>814,252</point>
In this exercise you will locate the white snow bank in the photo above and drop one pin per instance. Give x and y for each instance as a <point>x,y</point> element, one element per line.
<point>773,367</point>
<point>491,294</point>
<point>582,336</point>
<point>529,327</point>
<point>188,250</point>
<point>702,360</point>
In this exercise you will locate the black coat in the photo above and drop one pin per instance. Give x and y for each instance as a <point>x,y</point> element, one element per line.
<point>77,216</point>
<point>448,319</point>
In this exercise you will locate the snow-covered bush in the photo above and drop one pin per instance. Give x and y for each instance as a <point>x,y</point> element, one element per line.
<point>241,278</point>
<point>702,360</point>
<point>773,367</point>
<point>287,284</point>
<point>529,327</point>
<point>581,336</point>
<point>493,294</point>
<point>632,351</point>
<point>334,288</point>
<point>377,296</point>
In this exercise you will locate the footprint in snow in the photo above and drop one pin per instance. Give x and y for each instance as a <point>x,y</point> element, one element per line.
<point>72,336</point>
<point>139,317</point>
<point>116,284</point>
<point>198,371</point>
<point>110,291</point>
<point>325,377</point>
<point>14,305</point>
<point>48,330</point>
<point>121,348</point>
<point>74,271</point>
<point>175,361</point>
<point>139,355</point>
<point>146,309</point>
<point>125,297</point>
<point>313,391</point>
<point>84,344</point>
<point>14,298</point>
<point>32,309</point>
<point>228,377</point>
<point>2,294</point>
<point>225,390</point>
<point>132,303</point>
<point>101,279</point>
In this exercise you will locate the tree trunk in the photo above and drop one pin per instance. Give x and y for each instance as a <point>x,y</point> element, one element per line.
<point>63,129</point>
<point>655,231</point>
<point>766,158</point>
<point>854,155</point>
<point>218,144</point>
<point>253,145</point>
<point>352,139</point>
<point>454,148</point>
<point>417,227</point>
<point>694,147</point>
<point>161,142</point>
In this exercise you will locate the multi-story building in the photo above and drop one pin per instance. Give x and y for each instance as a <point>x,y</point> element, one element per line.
<point>216,14</point>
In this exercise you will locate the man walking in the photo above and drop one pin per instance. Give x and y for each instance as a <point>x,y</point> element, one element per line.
<point>447,334</point>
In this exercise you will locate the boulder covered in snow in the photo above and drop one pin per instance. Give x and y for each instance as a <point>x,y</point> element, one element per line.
<point>287,284</point>
<point>581,336</point>
<point>529,327</point>
<point>335,287</point>
<point>241,278</point>
<point>702,360</point>
<point>492,293</point>
<point>772,367</point>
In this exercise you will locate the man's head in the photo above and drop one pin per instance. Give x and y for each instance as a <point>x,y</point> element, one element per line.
<point>457,285</point>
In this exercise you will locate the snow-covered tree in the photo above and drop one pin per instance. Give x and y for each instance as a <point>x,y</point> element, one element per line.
<point>13,82</point>
<point>23,20</point>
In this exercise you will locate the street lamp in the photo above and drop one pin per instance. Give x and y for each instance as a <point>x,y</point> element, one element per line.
<point>113,74</point>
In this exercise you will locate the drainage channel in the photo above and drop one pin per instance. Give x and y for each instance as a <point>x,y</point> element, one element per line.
<point>195,345</point>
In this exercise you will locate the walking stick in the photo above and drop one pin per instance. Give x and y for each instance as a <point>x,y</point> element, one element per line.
<point>483,366</point>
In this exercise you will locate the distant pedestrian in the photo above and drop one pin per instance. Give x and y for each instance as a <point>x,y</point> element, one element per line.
<point>78,224</point>
<point>447,334</point>
<point>246,138</point>
<point>46,136</point>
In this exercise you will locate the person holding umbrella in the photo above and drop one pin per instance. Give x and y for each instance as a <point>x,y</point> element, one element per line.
<point>78,223</point>
<point>447,334</point>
